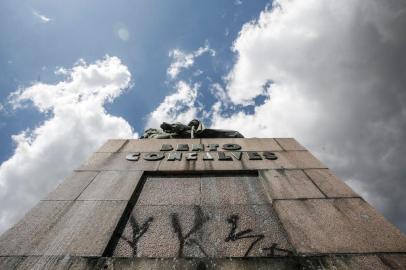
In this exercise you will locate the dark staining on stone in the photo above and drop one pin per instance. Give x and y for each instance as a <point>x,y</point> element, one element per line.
<point>174,156</point>
<point>213,146</point>
<point>231,146</point>
<point>223,156</point>
<point>186,239</point>
<point>198,147</point>
<point>133,156</point>
<point>154,156</point>
<point>237,154</point>
<point>191,156</point>
<point>182,147</point>
<point>201,266</point>
<point>234,236</point>
<point>137,232</point>
<point>270,155</point>
<point>166,147</point>
<point>272,251</point>
<point>207,156</point>
<point>254,156</point>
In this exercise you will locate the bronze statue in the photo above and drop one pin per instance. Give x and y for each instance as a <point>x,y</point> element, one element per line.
<point>195,129</point>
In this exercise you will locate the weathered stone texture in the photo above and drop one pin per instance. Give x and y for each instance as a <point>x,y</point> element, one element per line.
<point>347,225</point>
<point>26,235</point>
<point>206,231</point>
<point>229,190</point>
<point>170,190</point>
<point>84,230</point>
<point>290,144</point>
<point>117,162</point>
<point>289,184</point>
<point>112,145</point>
<point>330,184</point>
<point>72,186</point>
<point>112,185</point>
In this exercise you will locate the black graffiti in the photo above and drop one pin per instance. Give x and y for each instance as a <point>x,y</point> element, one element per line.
<point>273,248</point>
<point>137,232</point>
<point>234,236</point>
<point>187,239</point>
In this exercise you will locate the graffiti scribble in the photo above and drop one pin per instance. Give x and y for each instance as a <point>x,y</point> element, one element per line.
<point>274,248</point>
<point>137,232</point>
<point>186,239</point>
<point>234,236</point>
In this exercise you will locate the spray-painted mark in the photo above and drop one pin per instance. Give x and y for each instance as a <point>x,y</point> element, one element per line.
<point>186,239</point>
<point>274,248</point>
<point>137,232</point>
<point>234,236</point>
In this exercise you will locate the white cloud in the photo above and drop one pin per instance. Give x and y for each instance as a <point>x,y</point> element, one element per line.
<point>42,18</point>
<point>77,125</point>
<point>182,60</point>
<point>180,106</point>
<point>337,72</point>
<point>237,2</point>
<point>121,31</point>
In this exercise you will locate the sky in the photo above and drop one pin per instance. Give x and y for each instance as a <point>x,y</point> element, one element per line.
<point>331,74</point>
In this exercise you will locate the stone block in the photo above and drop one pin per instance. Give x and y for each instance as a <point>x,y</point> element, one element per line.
<point>154,145</point>
<point>232,189</point>
<point>170,190</point>
<point>201,231</point>
<point>112,145</point>
<point>72,186</point>
<point>330,184</point>
<point>23,237</point>
<point>346,225</point>
<point>50,263</point>
<point>84,230</point>
<point>290,144</point>
<point>289,184</point>
<point>247,144</point>
<point>203,263</point>
<point>112,185</point>
<point>117,162</point>
<point>302,160</point>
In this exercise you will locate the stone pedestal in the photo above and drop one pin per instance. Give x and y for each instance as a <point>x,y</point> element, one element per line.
<point>203,204</point>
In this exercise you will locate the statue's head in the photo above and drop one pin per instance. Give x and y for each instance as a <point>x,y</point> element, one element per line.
<point>194,123</point>
<point>166,127</point>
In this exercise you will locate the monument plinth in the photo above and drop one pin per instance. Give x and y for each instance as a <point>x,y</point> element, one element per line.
<point>203,203</point>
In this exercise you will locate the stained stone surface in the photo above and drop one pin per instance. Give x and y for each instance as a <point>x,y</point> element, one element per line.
<point>27,234</point>
<point>289,184</point>
<point>72,186</point>
<point>347,225</point>
<point>84,230</point>
<point>229,190</point>
<point>112,185</point>
<point>113,145</point>
<point>358,262</point>
<point>170,190</point>
<point>51,263</point>
<point>330,184</point>
<point>289,144</point>
<point>213,216</point>
<point>117,162</point>
<point>204,232</point>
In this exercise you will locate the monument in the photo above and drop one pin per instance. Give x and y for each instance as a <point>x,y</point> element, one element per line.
<point>187,197</point>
